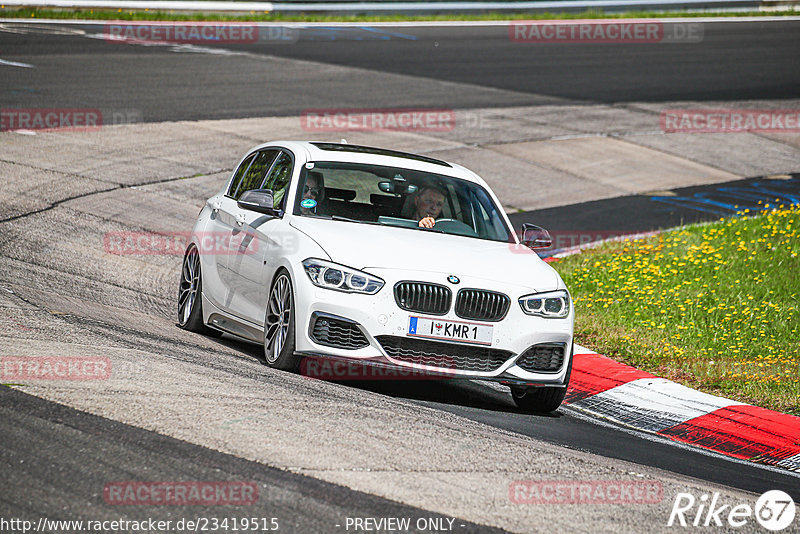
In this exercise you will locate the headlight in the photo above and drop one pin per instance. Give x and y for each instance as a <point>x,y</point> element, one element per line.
<point>340,278</point>
<point>551,305</point>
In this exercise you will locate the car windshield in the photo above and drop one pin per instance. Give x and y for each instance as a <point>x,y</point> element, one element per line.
<point>399,197</point>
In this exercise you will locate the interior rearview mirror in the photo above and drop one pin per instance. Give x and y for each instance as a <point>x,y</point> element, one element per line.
<point>397,187</point>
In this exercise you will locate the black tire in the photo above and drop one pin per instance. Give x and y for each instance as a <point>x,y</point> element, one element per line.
<point>542,399</point>
<point>279,325</point>
<point>190,301</point>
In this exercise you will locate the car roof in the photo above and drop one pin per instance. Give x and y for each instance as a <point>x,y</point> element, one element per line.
<point>325,151</point>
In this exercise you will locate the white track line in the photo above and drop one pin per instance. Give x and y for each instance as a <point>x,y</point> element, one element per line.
<point>15,64</point>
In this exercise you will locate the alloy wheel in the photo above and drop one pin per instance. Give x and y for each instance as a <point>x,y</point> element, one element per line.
<point>190,281</point>
<point>278,320</point>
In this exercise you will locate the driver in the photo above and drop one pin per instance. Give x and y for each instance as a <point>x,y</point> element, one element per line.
<point>428,205</point>
<point>313,189</point>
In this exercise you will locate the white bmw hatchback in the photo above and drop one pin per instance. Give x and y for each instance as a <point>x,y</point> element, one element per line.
<point>394,260</point>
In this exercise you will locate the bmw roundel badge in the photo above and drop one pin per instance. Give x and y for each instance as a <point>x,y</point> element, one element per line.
<point>453,279</point>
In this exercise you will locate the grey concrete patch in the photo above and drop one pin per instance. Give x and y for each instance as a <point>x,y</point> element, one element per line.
<point>24,189</point>
<point>133,207</point>
<point>504,125</point>
<point>658,107</point>
<point>80,265</point>
<point>266,129</point>
<point>791,139</point>
<point>190,192</point>
<point>590,119</point>
<point>128,154</point>
<point>615,163</point>
<point>741,154</point>
<point>152,152</point>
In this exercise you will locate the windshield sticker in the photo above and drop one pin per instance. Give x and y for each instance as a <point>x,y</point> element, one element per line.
<point>308,203</point>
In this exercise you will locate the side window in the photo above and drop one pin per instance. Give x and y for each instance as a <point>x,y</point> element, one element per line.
<point>489,221</point>
<point>279,177</point>
<point>255,174</point>
<point>237,178</point>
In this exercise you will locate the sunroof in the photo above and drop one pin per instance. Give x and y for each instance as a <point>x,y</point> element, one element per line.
<point>378,152</point>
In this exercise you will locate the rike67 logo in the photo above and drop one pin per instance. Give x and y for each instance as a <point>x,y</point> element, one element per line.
<point>773,510</point>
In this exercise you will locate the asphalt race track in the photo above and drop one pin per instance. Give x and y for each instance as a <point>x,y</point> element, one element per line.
<point>735,60</point>
<point>183,407</point>
<point>77,440</point>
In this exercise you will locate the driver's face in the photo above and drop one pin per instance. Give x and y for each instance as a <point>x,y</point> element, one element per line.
<point>311,189</point>
<point>429,204</point>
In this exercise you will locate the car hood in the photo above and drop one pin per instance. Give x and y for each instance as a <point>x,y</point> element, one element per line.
<point>366,246</point>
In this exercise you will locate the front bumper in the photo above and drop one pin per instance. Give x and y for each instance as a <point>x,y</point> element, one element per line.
<point>377,316</point>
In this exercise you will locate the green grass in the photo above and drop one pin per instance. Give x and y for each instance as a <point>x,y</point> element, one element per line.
<point>713,306</point>
<point>120,14</point>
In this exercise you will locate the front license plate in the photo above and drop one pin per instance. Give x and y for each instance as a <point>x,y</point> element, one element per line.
<point>480,334</point>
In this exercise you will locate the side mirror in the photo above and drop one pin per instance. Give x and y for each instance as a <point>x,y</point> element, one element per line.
<point>535,236</point>
<point>259,200</point>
